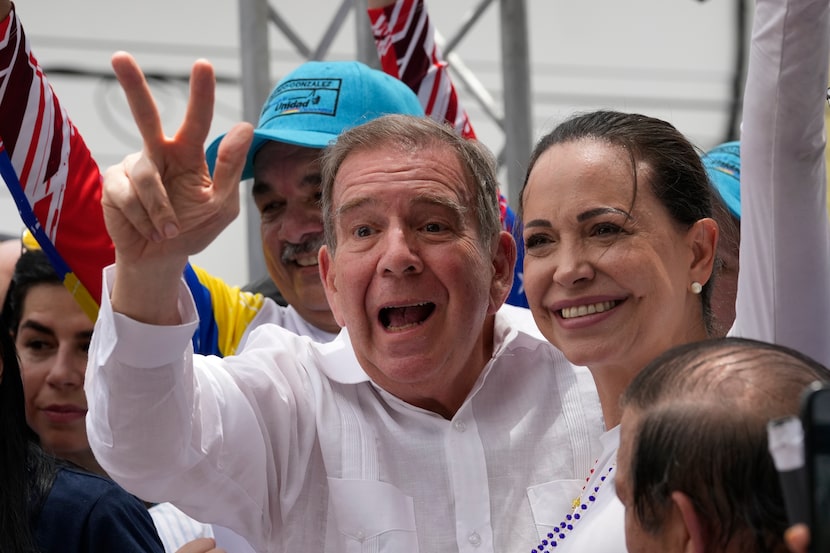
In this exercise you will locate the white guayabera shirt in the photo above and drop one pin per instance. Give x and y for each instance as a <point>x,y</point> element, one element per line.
<point>291,446</point>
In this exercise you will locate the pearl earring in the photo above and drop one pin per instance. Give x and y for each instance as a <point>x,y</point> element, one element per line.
<point>696,288</point>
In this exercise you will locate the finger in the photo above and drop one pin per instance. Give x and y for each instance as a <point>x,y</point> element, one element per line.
<point>153,199</point>
<point>134,189</point>
<point>199,545</point>
<point>196,125</point>
<point>797,538</point>
<point>118,196</point>
<point>139,98</point>
<point>230,159</point>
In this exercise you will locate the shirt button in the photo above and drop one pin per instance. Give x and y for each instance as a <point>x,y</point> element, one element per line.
<point>360,535</point>
<point>474,539</point>
<point>460,426</point>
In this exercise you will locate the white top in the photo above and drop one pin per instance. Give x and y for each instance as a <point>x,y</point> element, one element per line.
<point>290,445</point>
<point>783,291</point>
<point>597,523</point>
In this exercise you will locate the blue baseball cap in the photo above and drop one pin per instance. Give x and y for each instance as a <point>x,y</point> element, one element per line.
<point>316,102</point>
<point>723,166</point>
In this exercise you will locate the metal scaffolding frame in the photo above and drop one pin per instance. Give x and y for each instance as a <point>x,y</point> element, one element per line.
<point>514,116</point>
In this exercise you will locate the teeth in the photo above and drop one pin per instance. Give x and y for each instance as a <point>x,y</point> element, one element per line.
<point>582,310</point>
<point>306,261</point>
<point>405,316</point>
<point>403,327</point>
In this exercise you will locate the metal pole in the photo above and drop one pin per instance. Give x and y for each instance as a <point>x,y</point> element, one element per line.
<point>364,39</point>
<point>256,85</point>
<point>518,122</point>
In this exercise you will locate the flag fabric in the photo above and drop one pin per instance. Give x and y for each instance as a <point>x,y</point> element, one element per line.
<point>49,171</point>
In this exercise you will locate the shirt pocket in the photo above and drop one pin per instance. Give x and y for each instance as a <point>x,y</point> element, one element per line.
<point>552,501</point>
<point>373,516</point>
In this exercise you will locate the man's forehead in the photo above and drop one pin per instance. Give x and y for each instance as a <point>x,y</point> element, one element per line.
<point>272,152</point>
<point>277,164</point>
<point>420,202</point>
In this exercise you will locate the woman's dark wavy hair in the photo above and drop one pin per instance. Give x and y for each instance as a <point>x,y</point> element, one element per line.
<point>703,412</point>
<point>675,171</point>
<point>27,472</point>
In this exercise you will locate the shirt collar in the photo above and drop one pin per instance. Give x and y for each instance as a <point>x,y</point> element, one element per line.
<point>514,327</point>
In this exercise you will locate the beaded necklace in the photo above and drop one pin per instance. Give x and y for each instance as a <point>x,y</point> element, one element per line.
<point>580,506</point>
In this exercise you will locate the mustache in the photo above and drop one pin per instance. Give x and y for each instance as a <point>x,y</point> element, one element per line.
<point>310,245</point>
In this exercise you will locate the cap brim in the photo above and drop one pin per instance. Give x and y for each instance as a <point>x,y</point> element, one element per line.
<point>307,139</point>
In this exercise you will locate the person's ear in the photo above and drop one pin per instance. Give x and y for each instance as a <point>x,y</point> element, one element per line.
<point>689,531</point>
<point>328,275</point>
<point>702,238</point>
<point>504,263</point>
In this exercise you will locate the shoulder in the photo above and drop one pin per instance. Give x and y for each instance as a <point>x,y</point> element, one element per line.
<point>94,495</point>
<point>90,513</point>
<point>82,485</point>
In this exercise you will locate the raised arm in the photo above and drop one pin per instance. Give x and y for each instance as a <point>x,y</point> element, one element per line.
<point>784,280</point>
<point>161,206</point>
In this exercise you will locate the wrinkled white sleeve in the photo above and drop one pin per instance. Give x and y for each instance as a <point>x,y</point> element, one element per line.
<point>784,280</point>
<point>219,440</point>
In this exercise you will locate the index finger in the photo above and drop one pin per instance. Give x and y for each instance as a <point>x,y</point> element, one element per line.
<point>140,99</point>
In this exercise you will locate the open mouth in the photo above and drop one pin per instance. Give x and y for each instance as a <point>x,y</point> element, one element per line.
<point>405,316</point>
<point>584,310</point>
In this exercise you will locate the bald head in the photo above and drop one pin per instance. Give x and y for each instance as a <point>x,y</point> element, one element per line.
<point>693,434</point>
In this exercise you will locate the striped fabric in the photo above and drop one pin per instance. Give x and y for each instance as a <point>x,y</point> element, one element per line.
<point>52,177</point>
<point>405,40</point>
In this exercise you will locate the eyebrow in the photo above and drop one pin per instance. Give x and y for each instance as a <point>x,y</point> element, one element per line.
<point>37,327</point>
<point>582,217</point>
